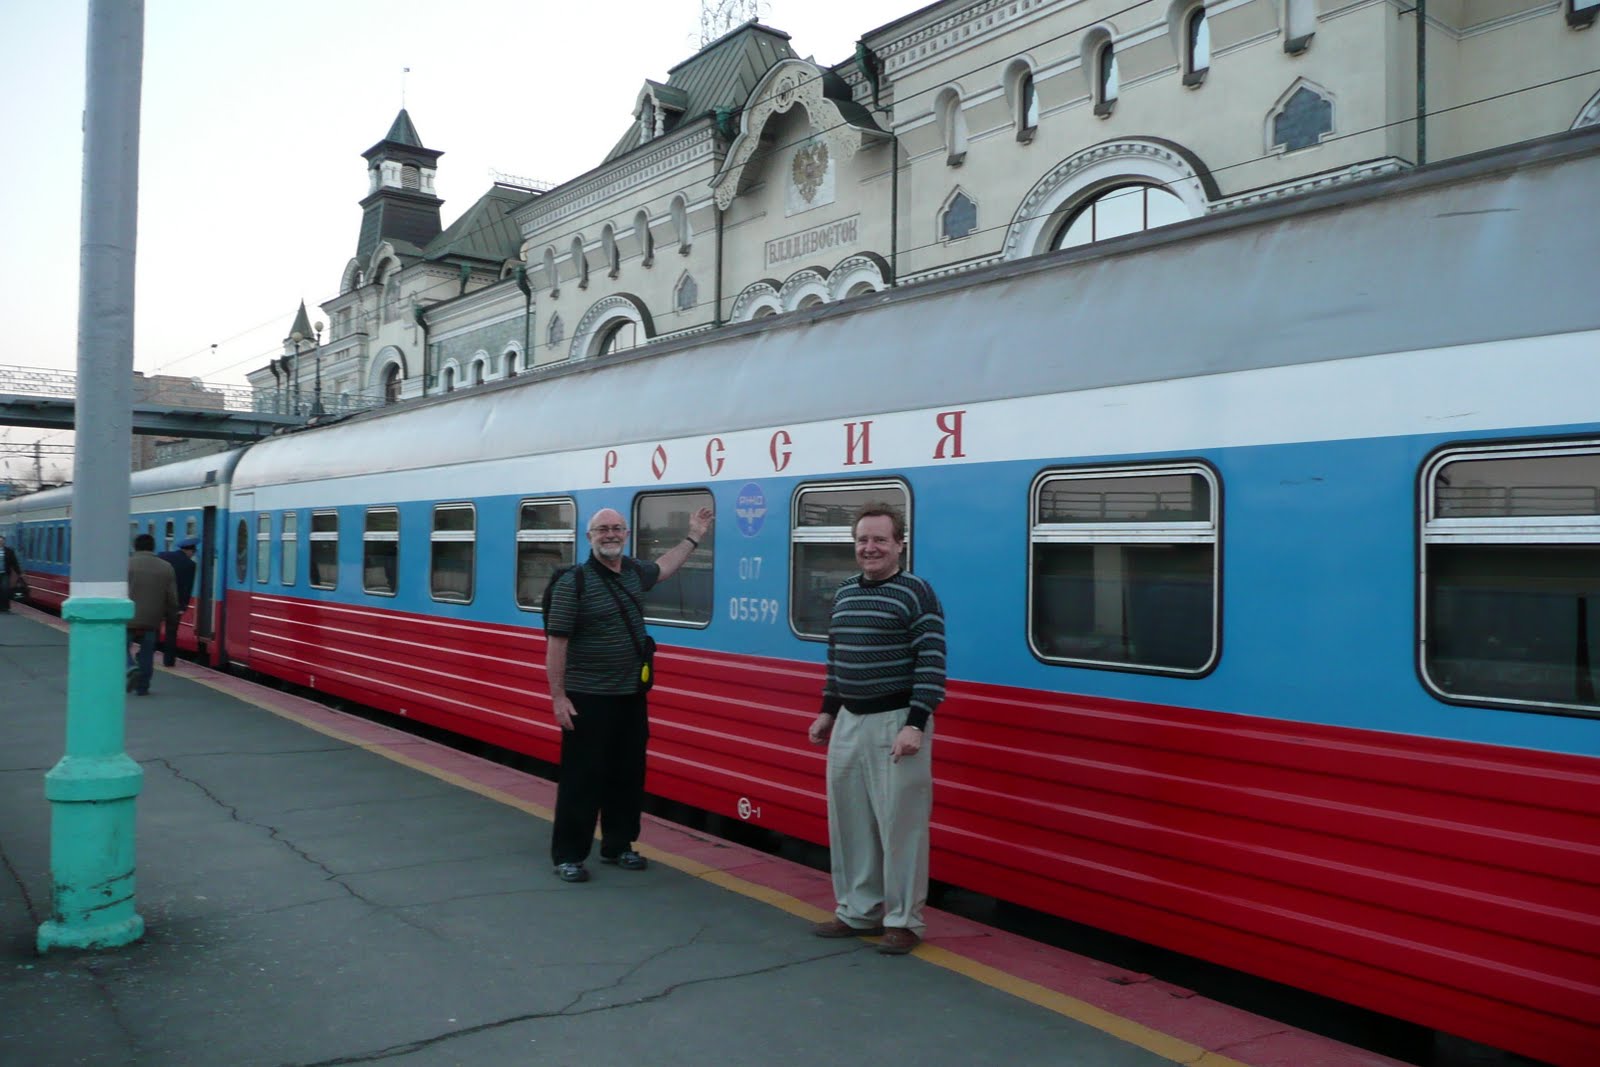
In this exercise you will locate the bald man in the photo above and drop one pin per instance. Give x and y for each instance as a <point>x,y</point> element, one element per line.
<point>597,656</point>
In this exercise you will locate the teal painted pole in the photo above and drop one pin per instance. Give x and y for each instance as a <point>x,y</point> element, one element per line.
<point>92,789</point>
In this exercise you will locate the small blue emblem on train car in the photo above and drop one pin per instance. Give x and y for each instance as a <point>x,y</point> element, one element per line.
<point>751,509</point>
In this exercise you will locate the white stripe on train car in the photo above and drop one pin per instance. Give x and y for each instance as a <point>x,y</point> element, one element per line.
<point>1465,389</point>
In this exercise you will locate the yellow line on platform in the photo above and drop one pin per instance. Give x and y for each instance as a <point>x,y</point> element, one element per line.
<point>1126,1030</point>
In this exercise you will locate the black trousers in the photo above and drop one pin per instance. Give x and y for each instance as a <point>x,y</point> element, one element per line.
<point>602,775</point>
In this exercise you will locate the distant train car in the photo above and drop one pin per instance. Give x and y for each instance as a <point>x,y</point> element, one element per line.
<point>185,499</point>
<point>1268,543</point>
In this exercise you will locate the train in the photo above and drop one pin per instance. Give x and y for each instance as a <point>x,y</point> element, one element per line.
<point>1269,546</point>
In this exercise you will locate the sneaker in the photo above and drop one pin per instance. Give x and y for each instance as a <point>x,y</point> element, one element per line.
<point>627,859</point>
<point>132,679</point>
<point>571,872</point>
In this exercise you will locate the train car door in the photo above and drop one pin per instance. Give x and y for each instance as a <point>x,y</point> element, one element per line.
<point>205,616</point>
<point>235,573</point>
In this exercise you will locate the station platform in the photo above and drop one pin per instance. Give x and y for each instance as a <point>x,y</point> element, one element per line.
<point>321,889</point>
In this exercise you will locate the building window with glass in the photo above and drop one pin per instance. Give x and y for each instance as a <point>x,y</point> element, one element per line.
<point>660,521</point>
<point>1123,569</point>
<point>1119,211</point>
<point>822,553</point>
<point>455,543</point>
<point>547,539</point>
<point>324,549</point>
<point>380,552</point>
<point>1511,576</point>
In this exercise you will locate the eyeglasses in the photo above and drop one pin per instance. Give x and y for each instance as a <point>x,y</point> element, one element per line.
<point>608,529</point>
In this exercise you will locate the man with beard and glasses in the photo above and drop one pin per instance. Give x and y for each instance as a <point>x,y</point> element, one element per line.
<point>597,660</point>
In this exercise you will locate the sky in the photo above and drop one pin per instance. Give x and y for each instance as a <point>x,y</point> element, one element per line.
<point>253,121</point>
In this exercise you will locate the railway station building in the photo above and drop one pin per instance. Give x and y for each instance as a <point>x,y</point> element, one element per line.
<point>752,182</point>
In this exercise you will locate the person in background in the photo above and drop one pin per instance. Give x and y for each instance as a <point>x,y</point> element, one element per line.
<point>886,673</point>
<point>10,576</point>
<point>154,591</point>
<point>183,568</point>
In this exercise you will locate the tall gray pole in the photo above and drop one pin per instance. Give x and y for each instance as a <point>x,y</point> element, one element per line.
<point>92,789</point>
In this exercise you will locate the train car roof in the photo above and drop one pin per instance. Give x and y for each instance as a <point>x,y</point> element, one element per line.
<point>193,473</point>
<point>1490,247</point>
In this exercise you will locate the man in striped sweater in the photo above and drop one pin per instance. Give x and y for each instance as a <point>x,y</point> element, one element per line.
<point>885,677</point>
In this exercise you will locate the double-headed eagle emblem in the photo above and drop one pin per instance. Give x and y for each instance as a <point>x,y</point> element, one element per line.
<point>809,169</point>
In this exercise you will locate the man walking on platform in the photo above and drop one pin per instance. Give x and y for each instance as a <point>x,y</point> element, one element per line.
<point>886,672</point>
<point>10,575</point>
<point>598,660</point>
<point>154,592</point>
<point>183,568</point>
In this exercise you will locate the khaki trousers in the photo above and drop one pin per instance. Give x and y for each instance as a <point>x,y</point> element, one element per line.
<point>878,813</point>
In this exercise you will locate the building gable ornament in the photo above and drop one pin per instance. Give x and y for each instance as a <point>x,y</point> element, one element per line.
<point>1142,157</point>
<point>963,28</point>
<point>790,83</point>
<point>752,297</point>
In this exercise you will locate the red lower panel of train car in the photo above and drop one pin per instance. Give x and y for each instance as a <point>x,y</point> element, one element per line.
<point>1455,885</point>
<point>51,591</point>
<point>46,590</point>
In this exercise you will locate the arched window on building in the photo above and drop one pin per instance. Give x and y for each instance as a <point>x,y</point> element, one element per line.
<point>647,245</point>
<point>619,337</point>
<point>1106,78</point>
<point>959,218</point>
<point>680,225</point>
<point>580,263</point>
<point>558,332</point>
<point>391,297</point>
<point>1122,209</point>
<point>449,379</point>
<point>391,385</point>
<point>608,249</point>
<point>550,275</point>
<point>477,372</point>
<point>1299,25</point>
<point>511,358</point>
<point>1195,44</point>
<point>952,125</point>
<point>1023,99</point>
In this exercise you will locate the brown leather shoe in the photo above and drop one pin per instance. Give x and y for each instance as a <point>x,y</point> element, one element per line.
<point>837,927</point>
<point>897,941</point>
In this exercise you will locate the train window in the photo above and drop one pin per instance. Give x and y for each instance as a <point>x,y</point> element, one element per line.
<point>1511,576</point>
<point>189,527</point>
<point>169,534</point>
<point>660,521</point>
<point>289,548</point>
<point>241,553</point>
<point>1123,568</point>
<point>380,552</point>
<point>547,538</point>
<point>455,542</point>
<point>823,552</point>
<point>263,546</point>
<point>324,549</point>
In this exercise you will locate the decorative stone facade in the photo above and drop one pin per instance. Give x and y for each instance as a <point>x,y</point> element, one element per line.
<point>965,133</point>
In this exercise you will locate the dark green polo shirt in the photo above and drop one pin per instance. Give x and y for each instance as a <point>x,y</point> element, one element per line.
<point>601,657</point>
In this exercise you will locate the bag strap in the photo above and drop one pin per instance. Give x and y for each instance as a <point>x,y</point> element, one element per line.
<point>610,581</point>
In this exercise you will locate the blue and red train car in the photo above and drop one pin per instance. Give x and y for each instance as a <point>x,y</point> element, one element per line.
<point>1269,545</point>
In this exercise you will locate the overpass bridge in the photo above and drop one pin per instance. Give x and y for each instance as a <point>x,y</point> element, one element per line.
<point>167,405</point>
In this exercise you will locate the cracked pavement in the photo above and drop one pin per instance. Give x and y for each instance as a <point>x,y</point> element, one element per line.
<point>312,903</point>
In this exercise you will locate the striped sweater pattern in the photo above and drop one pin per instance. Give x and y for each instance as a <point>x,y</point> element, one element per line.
<point>885,644</point>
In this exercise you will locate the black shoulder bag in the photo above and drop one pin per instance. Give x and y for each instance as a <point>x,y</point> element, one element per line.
<point>643,644</point>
